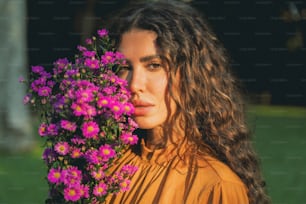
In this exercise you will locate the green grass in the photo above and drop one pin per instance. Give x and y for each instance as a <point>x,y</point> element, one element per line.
<point>280,139</point>
<point>22,179</point>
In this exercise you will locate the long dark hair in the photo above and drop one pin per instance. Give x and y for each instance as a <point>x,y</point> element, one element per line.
<point>210,107</point>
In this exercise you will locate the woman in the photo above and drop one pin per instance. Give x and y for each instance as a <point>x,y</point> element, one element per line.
<point>195,145</point>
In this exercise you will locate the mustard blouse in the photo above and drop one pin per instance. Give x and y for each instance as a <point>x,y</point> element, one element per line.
<point>164,178</point>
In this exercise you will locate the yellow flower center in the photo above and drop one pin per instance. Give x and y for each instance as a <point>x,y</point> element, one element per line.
<point>72,192</point>
<point>106,152</point>
<point>57,175</point>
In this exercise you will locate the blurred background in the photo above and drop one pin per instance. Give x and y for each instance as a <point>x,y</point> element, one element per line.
<point>264,39</point>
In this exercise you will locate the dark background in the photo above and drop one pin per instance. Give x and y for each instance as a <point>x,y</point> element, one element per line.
<point>265,39</point>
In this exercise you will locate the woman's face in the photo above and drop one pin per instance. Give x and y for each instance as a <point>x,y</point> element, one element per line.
<point>146,73</point>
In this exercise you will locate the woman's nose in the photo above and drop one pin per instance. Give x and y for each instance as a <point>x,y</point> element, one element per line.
<point>137,79</point>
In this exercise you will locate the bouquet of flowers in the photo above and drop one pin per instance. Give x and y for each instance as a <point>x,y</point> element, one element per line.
<point>86,120</point>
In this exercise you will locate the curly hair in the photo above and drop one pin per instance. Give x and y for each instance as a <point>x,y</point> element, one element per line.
<point>210,106</point>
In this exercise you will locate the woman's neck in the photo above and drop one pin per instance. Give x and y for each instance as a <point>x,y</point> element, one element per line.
<point>158,138</point>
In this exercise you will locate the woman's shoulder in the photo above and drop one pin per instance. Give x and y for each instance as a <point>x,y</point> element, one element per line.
<point>217,170</point>
<point>218,182</point>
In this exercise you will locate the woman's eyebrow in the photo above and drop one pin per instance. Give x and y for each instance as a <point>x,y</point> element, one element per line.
<point>148,58</point>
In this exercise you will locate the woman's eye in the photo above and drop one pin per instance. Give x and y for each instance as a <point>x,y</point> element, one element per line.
<point>124,69</point>
<point>154,66</point>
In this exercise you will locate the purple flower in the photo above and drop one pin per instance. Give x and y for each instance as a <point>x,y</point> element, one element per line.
<point>59,102</point>
<point>27,98</point>
<point>37,69</point>
<point>49,155</point>
<point>51,83</point>
<point>52,129</point>
<point>102,33</point>
<point>89,53</point>
<point>108,58</point>
<point>92,63</point>
<point>44,91</point>
<point>85,119</point>
<point>21,79</point>
<point>46,75</point>
<point>36,84</point>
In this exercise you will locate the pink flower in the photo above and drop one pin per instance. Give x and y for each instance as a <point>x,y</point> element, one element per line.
<point>119,56</point>
<point>67,125</point>
<point>102,33</point>
<point>109,90</point>
<point>84,95</point>
<point>54,176</point>
<point>90,111</point>
<point>116,108</point>
<point>103,101</point>
<point>125,185</point>
<point>71,176</point>
<point>84,191</point>
<point>81,48</point>
<point>76,153</point>
<point>78,141</point>
<point>88,41</point>
<point>90,129</point>
<point>62,148</point>
<point>43,129</point>
<point>98,174</point>
<point>93,157</point>
<point>106,152</point>
<point>92,63</point>
<point>128,138</point>
<point>78,109</point>
<point>72,193</point>
<point>100,189</point>
<point>128,108</point>
<point>128,169</point>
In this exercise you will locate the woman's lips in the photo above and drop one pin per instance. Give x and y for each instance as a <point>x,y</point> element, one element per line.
<point>142,107</point>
